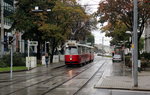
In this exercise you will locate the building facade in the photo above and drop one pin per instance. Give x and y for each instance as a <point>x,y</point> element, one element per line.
<point>7,9</point>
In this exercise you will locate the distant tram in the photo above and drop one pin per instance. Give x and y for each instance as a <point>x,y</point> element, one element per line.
<point>78,53</point>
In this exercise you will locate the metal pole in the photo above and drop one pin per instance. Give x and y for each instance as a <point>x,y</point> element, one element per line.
<point>11,67</point>
<point>124,54</point>
<point>2,28</point>
<point>102,44</point>
<point>135,48</point>
<point>28,55</point>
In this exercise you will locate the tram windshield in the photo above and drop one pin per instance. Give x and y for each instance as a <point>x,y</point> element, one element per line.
<point>71,51</point>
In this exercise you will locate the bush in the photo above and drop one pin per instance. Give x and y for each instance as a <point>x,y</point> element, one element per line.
<point>128,61</point>
<point>5,61</point>
<point>146,55</point>
<point>18,60</point>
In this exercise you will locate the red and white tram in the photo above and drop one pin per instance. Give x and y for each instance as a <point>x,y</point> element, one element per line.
<point>78,53</point>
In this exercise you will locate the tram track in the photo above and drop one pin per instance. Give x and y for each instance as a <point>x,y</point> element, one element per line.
<point>89,79</point>
<point>55,76</point>
<point>45,93</point>
<point>33,75</point>
<point>22,80</point>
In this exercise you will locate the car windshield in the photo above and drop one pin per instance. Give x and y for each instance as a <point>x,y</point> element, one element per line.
<point>117,56</point>
<point>71,51</point>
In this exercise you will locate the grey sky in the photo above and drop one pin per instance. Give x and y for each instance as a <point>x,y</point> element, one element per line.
<point>93,5</point>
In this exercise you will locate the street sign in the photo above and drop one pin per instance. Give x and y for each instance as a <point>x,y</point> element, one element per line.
<point>33,43</point>
<point>132,46</point>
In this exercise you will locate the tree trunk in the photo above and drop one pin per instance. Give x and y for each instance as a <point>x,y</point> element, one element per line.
<point>52,55</point>
<point>39,51</point>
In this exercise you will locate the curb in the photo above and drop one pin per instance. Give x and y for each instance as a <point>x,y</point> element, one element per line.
<point>58,66</point>
<point>129,87</point>
<point>115,88</point>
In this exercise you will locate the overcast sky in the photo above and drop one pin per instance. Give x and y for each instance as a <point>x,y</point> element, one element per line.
<point>93,5</point>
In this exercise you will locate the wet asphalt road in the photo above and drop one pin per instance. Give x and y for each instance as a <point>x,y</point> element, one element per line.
<point>65,80</point>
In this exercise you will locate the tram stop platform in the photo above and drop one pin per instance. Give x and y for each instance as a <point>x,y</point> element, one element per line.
<point>124,81</point>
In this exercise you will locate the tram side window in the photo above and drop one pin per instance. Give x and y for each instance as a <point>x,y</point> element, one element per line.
<point>80,50</point>
<point>88,50</point>
<point>83,50</point>
<point>92,51</point>
<point>71,51</point>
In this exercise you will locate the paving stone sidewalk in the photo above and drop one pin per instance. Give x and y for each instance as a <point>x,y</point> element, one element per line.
<point>125,82</point>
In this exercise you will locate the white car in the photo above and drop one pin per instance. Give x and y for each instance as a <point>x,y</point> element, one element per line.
<point>117,57</point>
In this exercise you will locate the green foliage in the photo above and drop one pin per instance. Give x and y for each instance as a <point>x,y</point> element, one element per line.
<point>90,39</point>
<point>4,62</point>
<point>18,60</point>
<point>117,32</point>
<point>141,44</point>
<point>65,18</point>
<point>145,59</point>
<point>128,61</point>
<point>112,11</point>
<point>146,55</point>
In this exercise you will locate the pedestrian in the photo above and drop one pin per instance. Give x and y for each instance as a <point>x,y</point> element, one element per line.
<point>46,59</point>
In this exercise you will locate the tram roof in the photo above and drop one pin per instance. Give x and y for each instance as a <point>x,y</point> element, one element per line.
<point>74,43</point>
<point>84,45</point>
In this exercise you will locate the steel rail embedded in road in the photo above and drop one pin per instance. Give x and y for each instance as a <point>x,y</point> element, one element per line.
<point>89,79</point>
<point>73,78</point>
<point>43,81</point>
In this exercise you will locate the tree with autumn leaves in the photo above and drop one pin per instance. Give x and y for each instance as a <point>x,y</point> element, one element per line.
<point>65,21</point>
<point>118,14</point>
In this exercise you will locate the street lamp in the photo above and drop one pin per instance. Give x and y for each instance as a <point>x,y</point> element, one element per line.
<point>135,48</point>
<point>36,9</point>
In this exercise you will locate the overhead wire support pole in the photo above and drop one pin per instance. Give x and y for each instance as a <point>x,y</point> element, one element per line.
<point>28,55</point>
<point>11,64</point>
<point>102,45</point>
<point>2,28</point>
<point>135,49</point>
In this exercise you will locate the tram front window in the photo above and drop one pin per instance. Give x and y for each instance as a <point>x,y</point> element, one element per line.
<point>71,51</point>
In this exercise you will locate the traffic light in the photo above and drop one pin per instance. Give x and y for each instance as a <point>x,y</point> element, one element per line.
<point>5,40</point>
<point>5,43</point>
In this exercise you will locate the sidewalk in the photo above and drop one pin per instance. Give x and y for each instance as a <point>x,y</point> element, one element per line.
<point>124,82</point>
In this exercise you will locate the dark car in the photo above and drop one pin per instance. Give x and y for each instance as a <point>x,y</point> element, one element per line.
<point>99,54</point>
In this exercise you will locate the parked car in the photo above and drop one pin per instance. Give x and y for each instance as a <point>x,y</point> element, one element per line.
<point>99,54</point>
<point>117,58</point>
